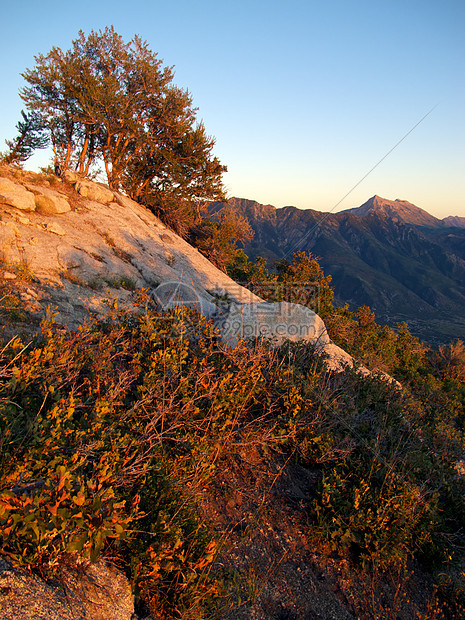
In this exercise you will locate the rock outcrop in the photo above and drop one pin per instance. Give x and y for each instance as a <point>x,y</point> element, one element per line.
<point>82,243</point>
<point>276,322</point>
<point>48,201</point>
<point>94,191</point>
<point>92,592</point>
<point>15,195</point>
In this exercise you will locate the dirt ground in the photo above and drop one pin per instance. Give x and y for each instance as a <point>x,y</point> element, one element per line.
<point>275,570</point>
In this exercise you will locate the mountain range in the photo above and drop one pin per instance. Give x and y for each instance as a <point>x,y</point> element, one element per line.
<point>403,262</point>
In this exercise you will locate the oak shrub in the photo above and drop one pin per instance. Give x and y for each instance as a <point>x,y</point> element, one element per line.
<point>109,435</point>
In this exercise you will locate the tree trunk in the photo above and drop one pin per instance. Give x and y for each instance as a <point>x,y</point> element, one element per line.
<point>83,154</point>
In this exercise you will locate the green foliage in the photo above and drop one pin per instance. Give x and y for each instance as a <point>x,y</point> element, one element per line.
<point>217,240</point>
<point>118,282</point>
<point>11,307</point>
<point>170,544</point>
<point>301,281</point>
<point>30,137</point>
<point>305,270</point>
<point>110,435</point>
<point>113,102</point>
<point>397,352</point>
<point>451,361</point>
<point>251,272</point>
<point>69,511</point>
<point>378,518</point>
<point>81,443</point>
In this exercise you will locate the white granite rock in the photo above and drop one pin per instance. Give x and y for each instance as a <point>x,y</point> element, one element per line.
<point>94,191</point>
<point>16,195</point>
<point>48,201</point>
<point>275,322</point>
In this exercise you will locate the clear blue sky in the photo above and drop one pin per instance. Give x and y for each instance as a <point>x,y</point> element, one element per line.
<point>303,97</point>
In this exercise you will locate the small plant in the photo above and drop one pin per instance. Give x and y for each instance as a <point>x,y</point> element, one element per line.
<point>22,270</point>
<point>11,308</point>
<point>73,278</point>
<point>95,283</point>
<point>108,239</point>
<point>97,257</point>
<point>123,255</point>
<point>121,282</point>
<point>222,300</point>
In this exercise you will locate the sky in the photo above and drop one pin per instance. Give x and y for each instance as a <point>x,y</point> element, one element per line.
<point>319,105</point>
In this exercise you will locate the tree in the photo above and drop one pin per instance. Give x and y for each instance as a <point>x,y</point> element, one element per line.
<point>301,281</point>
<point>307,282</point>
<point>218,240</point>
<point>30,137</point>
<point>108,102</point>
<point>250,273</point>
<point>452,360</point>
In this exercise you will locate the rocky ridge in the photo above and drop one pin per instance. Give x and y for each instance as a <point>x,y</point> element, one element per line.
<point>76,245</point>
<point>400,209</point>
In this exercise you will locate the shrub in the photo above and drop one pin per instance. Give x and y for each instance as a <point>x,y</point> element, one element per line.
<point>111,434</point>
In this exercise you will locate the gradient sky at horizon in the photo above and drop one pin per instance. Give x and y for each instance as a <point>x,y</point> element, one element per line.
<point>303,98</point>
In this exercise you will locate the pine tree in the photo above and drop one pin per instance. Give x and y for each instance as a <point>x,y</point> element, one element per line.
<point>108,102</point>
<point>30,137</point>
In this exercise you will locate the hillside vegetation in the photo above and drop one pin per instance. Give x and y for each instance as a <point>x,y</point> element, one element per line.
<point>225,482</point>
<point>142,439</point>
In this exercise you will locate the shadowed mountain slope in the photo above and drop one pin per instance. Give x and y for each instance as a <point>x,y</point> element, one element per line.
<point>404,263</point>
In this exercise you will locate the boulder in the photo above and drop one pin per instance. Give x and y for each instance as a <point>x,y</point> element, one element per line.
<point>48,201</point>
<point>274,322</point>
<point>16,195</point>
<point>94,191</point>
<point>92,592</point>
<point>337,359</point>
<point>71,177</point>
<point>54,227</point>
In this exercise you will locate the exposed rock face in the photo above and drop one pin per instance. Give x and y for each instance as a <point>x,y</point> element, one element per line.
<point>48,201</point>
<point>80,257</point>
<point>16,196</point>
<point>276,322</point>
<point>95,592</point>
<point>93,191</point>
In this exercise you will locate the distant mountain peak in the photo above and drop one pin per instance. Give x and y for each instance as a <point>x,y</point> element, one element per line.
<point>456,221</point>
<point>395,209</point>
